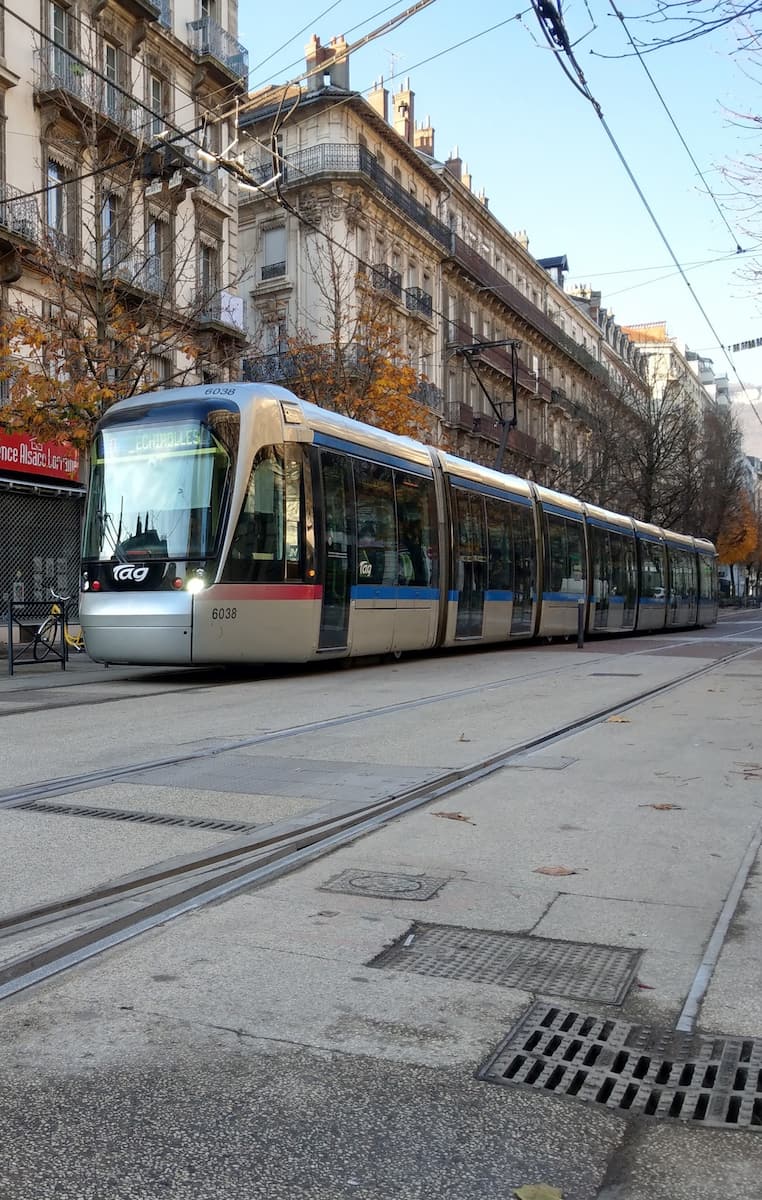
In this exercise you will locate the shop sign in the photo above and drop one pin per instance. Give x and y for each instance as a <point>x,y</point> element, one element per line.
<point>23,453</point>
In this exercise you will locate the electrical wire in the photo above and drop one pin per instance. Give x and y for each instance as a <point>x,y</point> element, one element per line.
<point>673,122</point>
<point>552,26</point>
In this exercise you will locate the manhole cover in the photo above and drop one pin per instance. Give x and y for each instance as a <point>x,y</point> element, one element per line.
<point>638,1069</point>
<point>575,969</point>
<point>384,884</point>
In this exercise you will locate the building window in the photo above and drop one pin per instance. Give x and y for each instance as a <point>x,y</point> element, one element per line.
<point>157,254</point>
<point>59,206</point>
<point>208,271</point>
<point>111,251</point>
<point>157,102</point>
<point>274,252</point>
<point>159,369</point>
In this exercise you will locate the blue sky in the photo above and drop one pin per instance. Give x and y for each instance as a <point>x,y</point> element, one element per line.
<point>539,151</point>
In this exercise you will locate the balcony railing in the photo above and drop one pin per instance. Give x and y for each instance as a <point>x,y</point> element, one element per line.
<point>225,309</point>
<point>210,40</point>
<point>273,271</point>
<point>416,300</point>
<point>430,395</point>
<point>384,279</point>
<point>136,270</point>
<point>341,159</point>
<point>18,216</point>
<point>494,282</point>
<point>58,71</point>
<point>165,12</point>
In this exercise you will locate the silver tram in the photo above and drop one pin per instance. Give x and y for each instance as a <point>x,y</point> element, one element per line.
<point>236,523</point>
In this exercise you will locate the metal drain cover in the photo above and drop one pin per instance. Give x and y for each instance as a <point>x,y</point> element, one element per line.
<point>574,969</point>
<point>637,1069</point>
<point>385,885</point>
<point>126,814</point>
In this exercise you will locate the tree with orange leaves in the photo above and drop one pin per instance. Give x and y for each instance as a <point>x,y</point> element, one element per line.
<point>739,535</point>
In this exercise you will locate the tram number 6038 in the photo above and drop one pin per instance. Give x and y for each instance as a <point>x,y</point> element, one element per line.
<point>224,614</point>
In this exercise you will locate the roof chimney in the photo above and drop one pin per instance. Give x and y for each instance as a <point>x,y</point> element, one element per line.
<point>465,178</point>
<point>339,68</point>
<point>403,104</point>
<point>522,238</point>
<point>378,99</point>
<point>454,164</point>
<point>423,138</point>
<point>334,61</point>
<point>315,56</point>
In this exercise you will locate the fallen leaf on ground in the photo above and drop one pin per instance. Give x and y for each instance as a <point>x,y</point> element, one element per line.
<point>647,987</point>
<point>538,1191</point>
<point>454,817</point>
<point>555,871</point>
<point>660,807</point>
<point>618,720</point>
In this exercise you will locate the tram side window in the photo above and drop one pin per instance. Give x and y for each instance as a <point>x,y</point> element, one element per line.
<point>267,543</point>
<point>500,544</point>
<point>377,559</point>
<point>600,554</point>
<point>524,552</point>
<point>416,531</point>
<point>623,566</point>
<point>707,578</point>
<point>652,570</point>
<point>565,555</point>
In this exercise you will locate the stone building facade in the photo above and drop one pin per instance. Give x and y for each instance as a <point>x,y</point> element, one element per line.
<point>474,309</point>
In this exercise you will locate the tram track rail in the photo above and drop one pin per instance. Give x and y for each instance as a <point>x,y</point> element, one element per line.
<point>172,888</point>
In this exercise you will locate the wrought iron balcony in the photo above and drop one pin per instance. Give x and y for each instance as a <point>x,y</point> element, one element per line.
<point>492,281</point>
<point>342,159</point>
<point>165,12</point>
<point>273,271</point>
<point>384,279</point>
<point>210,40</point>
<point>58,71</point>
<point>416,300</point>
<point>136,270</point>
<point>18,216</point>
<point>430,395</point>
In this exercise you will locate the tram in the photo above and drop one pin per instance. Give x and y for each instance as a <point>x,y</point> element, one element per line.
<point>239,524</point>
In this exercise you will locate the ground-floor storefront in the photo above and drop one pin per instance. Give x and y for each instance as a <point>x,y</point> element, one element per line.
<point>41,503</point>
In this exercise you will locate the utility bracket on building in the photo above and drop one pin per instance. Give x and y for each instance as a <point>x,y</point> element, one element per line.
<point>473,351</point>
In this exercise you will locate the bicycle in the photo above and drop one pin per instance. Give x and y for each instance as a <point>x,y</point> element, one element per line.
<point>47,639</point>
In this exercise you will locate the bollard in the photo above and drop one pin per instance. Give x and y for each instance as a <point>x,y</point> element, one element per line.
<point>580,624</point>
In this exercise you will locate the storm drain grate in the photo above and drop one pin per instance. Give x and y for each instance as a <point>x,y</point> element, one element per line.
<point>139,818</point>
<point>385,885</point>
<point>574,969</point>
<point>712,1081</point>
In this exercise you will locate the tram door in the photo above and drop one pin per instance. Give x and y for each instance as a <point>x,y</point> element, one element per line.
<point>336,477</point>
<point>470,562</point>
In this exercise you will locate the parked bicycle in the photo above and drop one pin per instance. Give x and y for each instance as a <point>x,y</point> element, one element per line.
<point>47,639</point>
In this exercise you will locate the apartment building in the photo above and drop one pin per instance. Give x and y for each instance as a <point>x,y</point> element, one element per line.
<point>115,225</point>
<point>509,363</point>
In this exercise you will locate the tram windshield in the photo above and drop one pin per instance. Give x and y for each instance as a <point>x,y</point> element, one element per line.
<point>156,491</point>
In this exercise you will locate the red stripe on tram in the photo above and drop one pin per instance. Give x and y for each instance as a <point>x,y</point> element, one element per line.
<point>263,591</point>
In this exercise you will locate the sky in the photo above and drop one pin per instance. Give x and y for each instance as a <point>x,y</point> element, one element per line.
<point>489,84</point>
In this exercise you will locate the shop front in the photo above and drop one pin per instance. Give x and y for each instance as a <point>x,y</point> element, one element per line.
<point>41,505</point>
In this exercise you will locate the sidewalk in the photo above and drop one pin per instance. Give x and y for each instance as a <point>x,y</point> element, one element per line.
<point>261,1050</point>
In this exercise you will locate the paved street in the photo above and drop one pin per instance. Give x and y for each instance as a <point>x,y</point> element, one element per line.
<point>257,1047</point>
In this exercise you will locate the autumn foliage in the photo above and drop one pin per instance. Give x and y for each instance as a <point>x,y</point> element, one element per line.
<point>368,378</point>
<point>739,536</point>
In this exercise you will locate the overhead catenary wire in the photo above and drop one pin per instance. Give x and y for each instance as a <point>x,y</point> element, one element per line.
<point>620,17</point>
<point>553,28</point>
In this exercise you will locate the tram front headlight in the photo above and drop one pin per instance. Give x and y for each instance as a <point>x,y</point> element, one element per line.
<point>195,584</point>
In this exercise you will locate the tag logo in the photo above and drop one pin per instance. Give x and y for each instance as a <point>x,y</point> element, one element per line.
<point>126,573</point>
